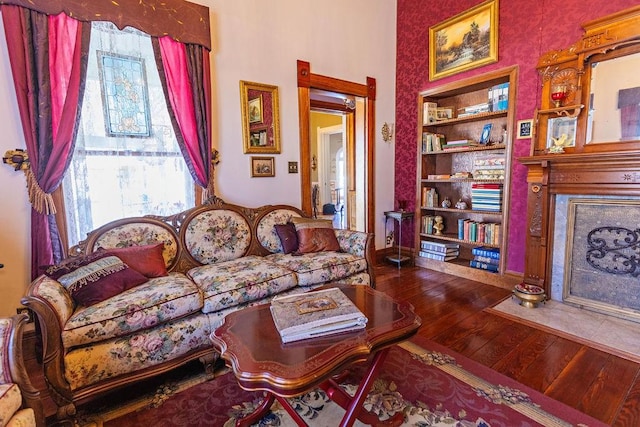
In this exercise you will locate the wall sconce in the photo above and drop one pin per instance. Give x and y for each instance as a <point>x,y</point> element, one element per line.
<point>314,162</point>
<point>387,132</point>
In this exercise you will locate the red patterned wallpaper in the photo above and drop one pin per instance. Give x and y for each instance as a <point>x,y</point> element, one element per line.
<point>527,29</point>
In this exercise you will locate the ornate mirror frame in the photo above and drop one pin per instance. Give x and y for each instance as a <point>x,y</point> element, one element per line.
<point>259,105</point>
<point>566,78</point>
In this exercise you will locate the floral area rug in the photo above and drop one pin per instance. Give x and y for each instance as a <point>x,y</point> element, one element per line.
<point>428,383</point>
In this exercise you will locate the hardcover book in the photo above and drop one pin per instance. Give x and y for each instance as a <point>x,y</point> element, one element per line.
<point>315,314</point>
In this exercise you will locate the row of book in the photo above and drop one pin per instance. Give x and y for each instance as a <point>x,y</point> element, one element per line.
<point>429,198</point>
<point>485,258</point>
<point>432,142</point>
<point>426,226</point>
<point>439,251</point>
<point>481,232</point>
<point>490,166</point>
<point>497,100</point>
<point>486,197</point>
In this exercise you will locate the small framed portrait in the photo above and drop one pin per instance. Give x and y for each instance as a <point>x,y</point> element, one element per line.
<point>525,129</point>
<point>486,133</point>
<point>263,167</point>
<point>444,113</point>
<point>255,110</point>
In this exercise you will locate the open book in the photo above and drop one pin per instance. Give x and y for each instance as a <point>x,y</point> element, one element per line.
<point>315,314</point>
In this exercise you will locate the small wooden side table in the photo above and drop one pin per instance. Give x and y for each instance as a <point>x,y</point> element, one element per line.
<point>249,342</point>
<point>399,216</point>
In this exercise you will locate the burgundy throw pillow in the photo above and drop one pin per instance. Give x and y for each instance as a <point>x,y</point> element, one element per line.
<point>315,235</point>
<point>288,237</point>
<point>146,259</point>
<point>96,278</point>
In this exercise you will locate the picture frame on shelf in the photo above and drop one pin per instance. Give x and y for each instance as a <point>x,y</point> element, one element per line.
<point>525,129</point>
<point>486,133</point>
<point>465,41</point>
<point>263,167</point>
<point>561,132</point>
<point>443,113</point>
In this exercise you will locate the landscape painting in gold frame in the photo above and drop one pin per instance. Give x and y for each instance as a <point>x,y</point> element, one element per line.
<point>465,41</point>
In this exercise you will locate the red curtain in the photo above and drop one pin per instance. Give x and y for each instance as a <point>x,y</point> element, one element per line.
<point>48,66</point>
<point>185,76</point>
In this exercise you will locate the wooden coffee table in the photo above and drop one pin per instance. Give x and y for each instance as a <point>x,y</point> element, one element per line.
<point>250,343</point>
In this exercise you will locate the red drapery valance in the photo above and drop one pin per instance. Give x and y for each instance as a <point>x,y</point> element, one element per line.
<point>181,20</point>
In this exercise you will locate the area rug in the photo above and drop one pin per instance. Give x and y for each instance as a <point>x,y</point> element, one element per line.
<point>430,384</point>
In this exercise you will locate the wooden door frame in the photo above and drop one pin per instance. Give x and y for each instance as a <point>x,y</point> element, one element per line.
<point>308,81</point>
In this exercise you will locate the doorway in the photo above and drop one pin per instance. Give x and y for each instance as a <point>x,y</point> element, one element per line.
<point>356,105</point>
<point>331,167</point>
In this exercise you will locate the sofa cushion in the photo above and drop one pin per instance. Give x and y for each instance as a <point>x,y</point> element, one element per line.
<point>242,280</point>
<point>266,232</point>
<point>145,259</point>
<point>158,301</point>
<point>315,235</point>
<point>320,267</point>
<point>10,402</point>
<point>97,278</point>
<point>216,235</point>
<point>132,353</point>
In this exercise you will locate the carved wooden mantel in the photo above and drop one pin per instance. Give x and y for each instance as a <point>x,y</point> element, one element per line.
<point>607,168</point>
<point>601,174</point>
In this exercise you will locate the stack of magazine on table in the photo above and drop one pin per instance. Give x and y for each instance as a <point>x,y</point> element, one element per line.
<point>315,314</point>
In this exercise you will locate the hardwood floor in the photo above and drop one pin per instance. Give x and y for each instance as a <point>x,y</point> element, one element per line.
<point>602,385</point>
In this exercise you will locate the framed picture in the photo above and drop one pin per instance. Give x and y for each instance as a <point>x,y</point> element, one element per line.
<point>255,110</point>
<point>465,41</point>
<point>525,129</point>
<point>561,132</point>
<point>486,132</point>
<point>444,113</point>
<point>263,167</point>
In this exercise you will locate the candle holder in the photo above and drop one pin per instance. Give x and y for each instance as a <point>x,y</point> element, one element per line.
<point>558,94</point>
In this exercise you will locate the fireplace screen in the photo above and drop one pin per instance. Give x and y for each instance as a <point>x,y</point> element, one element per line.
<point>603,256</point>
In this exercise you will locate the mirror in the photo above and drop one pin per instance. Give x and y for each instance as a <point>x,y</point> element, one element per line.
<point>614,100</point>
<point>260,118</point>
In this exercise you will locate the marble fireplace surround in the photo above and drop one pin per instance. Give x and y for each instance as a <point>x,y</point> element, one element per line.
<point>591,284</point>
<point>554,180</point>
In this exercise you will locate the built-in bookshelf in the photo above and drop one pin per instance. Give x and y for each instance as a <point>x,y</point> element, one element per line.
<point>463,170</point>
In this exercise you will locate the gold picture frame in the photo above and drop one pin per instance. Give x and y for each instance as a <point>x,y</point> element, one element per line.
<point>263,167</point>
<point>465,41</point>
<point>259,105</point>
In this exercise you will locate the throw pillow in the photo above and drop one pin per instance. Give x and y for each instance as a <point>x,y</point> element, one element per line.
<point>146,259</point>
<point>288,237</point>
<point>96,278</point>
<point>315,235</point>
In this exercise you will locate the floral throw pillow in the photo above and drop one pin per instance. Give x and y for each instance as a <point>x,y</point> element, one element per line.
<point>315,235</point>
<point>96,278</point>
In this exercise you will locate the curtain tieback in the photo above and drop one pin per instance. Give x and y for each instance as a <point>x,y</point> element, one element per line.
<point>40,201</point>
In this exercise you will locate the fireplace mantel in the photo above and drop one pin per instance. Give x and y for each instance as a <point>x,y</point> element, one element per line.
<point>599,174</point>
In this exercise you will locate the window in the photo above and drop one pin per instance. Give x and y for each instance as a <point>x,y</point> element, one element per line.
<point>126,160</point>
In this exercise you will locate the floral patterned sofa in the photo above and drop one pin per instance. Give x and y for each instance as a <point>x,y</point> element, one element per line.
<point>98,335</point>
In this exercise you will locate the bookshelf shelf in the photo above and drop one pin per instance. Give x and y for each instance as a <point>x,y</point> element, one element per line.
<point>435,166</point>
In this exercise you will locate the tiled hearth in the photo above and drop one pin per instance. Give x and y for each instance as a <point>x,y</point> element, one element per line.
<point>607,333</point>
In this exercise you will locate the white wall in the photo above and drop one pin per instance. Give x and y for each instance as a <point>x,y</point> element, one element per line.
<point>253,40</point>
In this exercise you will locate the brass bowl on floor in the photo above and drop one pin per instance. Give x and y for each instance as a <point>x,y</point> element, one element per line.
<point>530,296</point>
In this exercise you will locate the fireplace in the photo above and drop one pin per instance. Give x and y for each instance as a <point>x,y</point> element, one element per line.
<point>596,254</point>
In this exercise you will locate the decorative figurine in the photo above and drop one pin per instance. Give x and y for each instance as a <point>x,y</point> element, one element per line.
<point>559,144</point>
<point>461,204</point>
<point>446,203</point>
<point>438,226</point>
